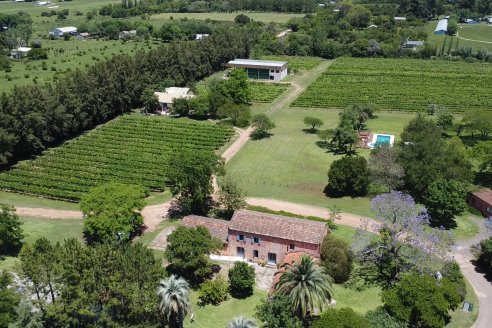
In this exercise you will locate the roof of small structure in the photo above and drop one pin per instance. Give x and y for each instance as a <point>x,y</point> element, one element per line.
<point>415,43</point>
<point>400,18</point>
<point>66,29</point>
<point>23,49</point>
<point>218,228</point>
<point>173,93</point>
<point>442,25</point>
<point>484,194</point>
<point>253,63</point>
<point>278,226</point>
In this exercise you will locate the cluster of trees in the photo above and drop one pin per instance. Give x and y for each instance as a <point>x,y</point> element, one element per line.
<point>33,117</point>
<point>429,9</point>
<point>15,31</point>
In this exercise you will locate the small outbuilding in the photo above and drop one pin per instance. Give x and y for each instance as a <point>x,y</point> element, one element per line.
<point>489,20</point>
<point>442,27</point>
<point>167,97</point>
<point>20,52</point>
<point>61,31</point>
<point>399,18</point>
<point>471,21</point>
<point>409,44</point>
<point>201,36</point>
<point>482,201</point>
<point>261,69</point>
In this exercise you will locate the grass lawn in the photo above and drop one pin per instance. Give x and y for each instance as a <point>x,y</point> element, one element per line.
<point>467,227</point>
<point>479,32</point>
<point>217,316</point>
<point>156,198</point>
<point>290,166</point>
<point>462,319</point>
<point>360,301</point>
<point>344,233</point>
<point>21,200</point>
<point>256,16</point>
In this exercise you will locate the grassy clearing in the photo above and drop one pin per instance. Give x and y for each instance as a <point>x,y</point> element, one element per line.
<point>467,227</point>
<point>361,301</point>
<point>290,166</point>
<point>218,316</point>
<point>256,16</point>
<point>479,32</point>
<point>462,319</point>
<point>20,200</point>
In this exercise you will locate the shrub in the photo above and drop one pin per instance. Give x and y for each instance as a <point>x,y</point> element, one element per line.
<point>336,257</point>
<point>213,292</point>
<point>242,280</point>
<point>379,318</point>
<point>348,176</point>
<point>341,318</point>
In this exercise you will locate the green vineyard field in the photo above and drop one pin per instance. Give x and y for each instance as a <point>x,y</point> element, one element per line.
<point>266,92</point>
<point>405,85</point>
<point>130,149</point>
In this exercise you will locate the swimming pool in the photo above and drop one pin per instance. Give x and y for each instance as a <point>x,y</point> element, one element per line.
<point>381,139</point>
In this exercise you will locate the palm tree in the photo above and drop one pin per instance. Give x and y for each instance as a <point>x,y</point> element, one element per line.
<point>174,301</point>
<point>241,322</point>
<point>306,284</point>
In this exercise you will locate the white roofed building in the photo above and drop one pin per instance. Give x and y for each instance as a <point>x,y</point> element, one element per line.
<point>261,69</point>
<point>442,27</point>
<point>167,97</point>
<point>20,52</point>
<point>60,31</point>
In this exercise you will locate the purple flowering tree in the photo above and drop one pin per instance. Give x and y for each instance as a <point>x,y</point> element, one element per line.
<point>403,240</point>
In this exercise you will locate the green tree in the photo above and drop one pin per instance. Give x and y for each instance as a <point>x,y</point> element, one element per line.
<point>149,100</point>
<point>452,27</point>
<point>189,176</point>
<point>231,198</point>
<point>241,19</point>
<point>26,317</point>
<point>344,138</point>
<point>238,114</point>
<point>314,122</point>
<point>188,250</point>
<point>241,322</point>
<point>359,16</point>
<point>213,291</point>
<point>337,258</point>
<point>478,121</point>
<point>325,135</point>
<point>485,257</point>
<point>276,313</point>
<point>262,124</point>
<point>421,301</point>
<point>237,86</point>
<point>8,300</point>
<point>241,280</point>
<point>445,119</point>
<point>341,318</point>
<point>380,318</point>
<point>306,284</point>
<point>348,176</point>
<point>384,168</point>
<point>11,234</point>
<point>112,212</point>
<point>445,199</point>
<point>174,301</point>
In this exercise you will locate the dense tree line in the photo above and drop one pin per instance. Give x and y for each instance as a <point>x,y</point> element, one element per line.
<point>34,117</point>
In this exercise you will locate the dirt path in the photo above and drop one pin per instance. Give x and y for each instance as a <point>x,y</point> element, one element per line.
<point>347,219</point>
<point>481,286</point>
<point>236,146</point>
<point>462,38</point>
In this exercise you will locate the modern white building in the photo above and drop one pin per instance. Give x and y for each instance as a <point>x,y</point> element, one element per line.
<point>167,97</point>
<point>20,52</point>
<point>400,18</point>
<point>261,69</point>
<point>60,31</point>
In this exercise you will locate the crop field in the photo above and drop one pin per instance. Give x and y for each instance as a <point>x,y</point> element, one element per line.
<point>405,85</point>
<point>265,92</point>
<point>130,149</point>
<point>296,63</point>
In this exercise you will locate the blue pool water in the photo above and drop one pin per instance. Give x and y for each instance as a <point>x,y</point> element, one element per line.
<point>382,139</point>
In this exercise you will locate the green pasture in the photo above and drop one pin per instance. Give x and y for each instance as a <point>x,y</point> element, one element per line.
<point>480,33</point>
<point>256,16</point>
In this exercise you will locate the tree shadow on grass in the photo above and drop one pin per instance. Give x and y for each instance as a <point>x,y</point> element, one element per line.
<point>310,131</point>
<point>482,267</point>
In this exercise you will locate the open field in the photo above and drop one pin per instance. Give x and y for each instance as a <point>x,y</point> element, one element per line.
<point>131,149</point>
<point>399,84</point>
<point>9,7</point>
<point>256,16</point>
<point>478,32</point>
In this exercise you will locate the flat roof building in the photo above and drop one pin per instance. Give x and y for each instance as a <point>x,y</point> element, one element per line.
<point>60,31</point>
<point>20,52</point>
<point>261,69</point>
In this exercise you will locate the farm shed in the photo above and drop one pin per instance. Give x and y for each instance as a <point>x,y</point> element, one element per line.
<point>399,18</point>
<point>19,53</point>
<point>409,44</point>
<point>261,69</point>
<point>442,27</point>
<point>167,97</point>
<point>60,31</point>
<point>482,201</point>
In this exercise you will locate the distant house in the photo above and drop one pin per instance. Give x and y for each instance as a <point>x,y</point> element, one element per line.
<point>84,35</point>
<point>400,18</point>
<point>19,53</point>
<point>261,69</point>
<point>409,44</point>
<point>167,97</point>
<point>61,31</point>
<point>482,201</point>
<point>263,238</point>
<point>489,20</point>
<point>201,36</point>
<point>284,33</point>
<point>127,34</point>
<point>442,27</point>
<point>471,21</point>
<point>43,3</point>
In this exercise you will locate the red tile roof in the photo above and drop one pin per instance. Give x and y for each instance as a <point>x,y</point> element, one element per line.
<point>485,194</point>
<point>278,226</point>
<point>218,228</point>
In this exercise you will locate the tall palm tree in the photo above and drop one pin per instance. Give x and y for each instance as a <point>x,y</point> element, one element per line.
<point>241,322</point>
<point>174,301</point>
<point>306,284</point>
